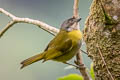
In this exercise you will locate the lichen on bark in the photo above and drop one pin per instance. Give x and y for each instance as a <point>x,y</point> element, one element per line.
<point>102,28</point>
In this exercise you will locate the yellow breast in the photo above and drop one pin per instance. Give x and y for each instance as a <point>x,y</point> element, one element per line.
<point>75,35</point>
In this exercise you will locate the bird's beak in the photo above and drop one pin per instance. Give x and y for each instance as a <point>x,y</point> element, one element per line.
<point>78,20</point>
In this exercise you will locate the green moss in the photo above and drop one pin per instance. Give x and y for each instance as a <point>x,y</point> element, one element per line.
<point>108,19</point>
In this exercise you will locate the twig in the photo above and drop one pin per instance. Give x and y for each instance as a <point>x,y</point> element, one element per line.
<point>76,12</point>
<point>75,9</point>
<point>105,63</point>
<point>82,68</point>
<point>83,51</point>
<point>15,19</point>
<point>79,61</point>
<point>10,24</point>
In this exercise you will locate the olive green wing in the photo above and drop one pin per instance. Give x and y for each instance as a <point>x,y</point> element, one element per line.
<point>60,39</point>
<point>58,46</point>
<point>58,50</point>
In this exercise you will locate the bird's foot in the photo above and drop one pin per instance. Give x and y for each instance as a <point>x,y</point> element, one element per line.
<point>71,65</point>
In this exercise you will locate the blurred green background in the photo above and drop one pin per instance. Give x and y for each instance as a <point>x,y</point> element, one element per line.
<point>25,40</point>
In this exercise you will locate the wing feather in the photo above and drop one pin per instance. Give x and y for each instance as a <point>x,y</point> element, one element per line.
<point>58,46</point>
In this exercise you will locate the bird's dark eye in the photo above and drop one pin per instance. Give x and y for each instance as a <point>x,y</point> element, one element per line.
<point>71,22</point>
<point>67,27</point>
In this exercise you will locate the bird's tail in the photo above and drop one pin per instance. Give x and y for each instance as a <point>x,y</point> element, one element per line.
<point>32,60</point>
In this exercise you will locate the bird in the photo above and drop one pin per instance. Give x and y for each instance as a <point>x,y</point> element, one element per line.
<point>63,47</point>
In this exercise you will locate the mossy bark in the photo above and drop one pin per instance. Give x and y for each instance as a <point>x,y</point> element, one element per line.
<point>102,29</point>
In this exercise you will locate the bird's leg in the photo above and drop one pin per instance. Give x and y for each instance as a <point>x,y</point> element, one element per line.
<point>71,64</point>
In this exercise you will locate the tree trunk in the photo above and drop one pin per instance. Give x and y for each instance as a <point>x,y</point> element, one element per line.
<point>102,38</point>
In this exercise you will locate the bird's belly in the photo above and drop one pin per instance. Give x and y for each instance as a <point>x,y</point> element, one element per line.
<point>69,55</point>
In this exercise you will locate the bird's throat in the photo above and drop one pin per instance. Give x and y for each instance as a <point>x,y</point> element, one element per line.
<point>75,34</point>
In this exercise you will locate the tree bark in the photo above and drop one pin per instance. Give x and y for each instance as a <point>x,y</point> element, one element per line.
<point>102,38</point>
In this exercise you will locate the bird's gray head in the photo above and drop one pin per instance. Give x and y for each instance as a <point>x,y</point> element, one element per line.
<point>68,24</point>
